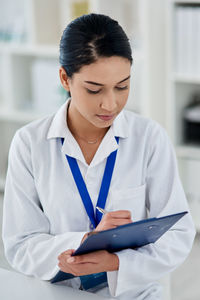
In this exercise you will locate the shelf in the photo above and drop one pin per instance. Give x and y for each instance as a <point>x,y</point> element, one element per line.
<point>188,151</point>
<point>19,116</point>
<point>184,78</point>
<point>47,51</point>
<point>186,1</point>
<point>29,50</point>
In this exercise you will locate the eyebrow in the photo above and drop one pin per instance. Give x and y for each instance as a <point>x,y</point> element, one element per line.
<point>100,84</point>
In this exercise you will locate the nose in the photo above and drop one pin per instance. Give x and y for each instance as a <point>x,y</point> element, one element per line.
<point>109,102</point>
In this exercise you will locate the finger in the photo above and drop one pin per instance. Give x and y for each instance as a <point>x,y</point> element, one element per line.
<point>85,269</point>
<point>65,268</point>
<point>67,252</point>
<point>119,222</point>
<point>67,259</point>
<point>113,222</point>
<point>61,266</point>
<point>64,259</point>
<point>81,269</point>
<point>92,257</point>
<point>121,214</point>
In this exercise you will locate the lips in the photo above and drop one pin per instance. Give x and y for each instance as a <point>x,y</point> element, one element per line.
<point>105,117</point>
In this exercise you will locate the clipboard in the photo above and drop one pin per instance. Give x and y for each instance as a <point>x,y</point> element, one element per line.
<point>133,235</point>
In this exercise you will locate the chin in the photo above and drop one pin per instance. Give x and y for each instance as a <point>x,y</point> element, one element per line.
<point>104,125</point>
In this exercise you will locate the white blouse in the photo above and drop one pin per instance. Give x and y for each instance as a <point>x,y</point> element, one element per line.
<point>44,214</point>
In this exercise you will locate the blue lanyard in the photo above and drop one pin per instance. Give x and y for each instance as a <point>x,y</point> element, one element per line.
<point>81,186</point>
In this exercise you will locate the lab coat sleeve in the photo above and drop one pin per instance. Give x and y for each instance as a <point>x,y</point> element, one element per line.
<point>29,246</point>
<point>164,195</point>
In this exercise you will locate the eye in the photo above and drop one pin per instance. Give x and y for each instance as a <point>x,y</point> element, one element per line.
<point>93,92</point>
<point>122,88</point>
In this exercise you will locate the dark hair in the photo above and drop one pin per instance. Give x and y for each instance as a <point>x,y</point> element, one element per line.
<point>89,37</point>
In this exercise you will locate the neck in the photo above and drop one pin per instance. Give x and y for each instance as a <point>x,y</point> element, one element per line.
<point>80,127</point>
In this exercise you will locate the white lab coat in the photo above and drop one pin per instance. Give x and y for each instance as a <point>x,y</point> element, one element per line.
<point>44,214</point>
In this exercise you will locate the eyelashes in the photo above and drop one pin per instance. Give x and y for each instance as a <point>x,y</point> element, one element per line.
<point>96,92</point>
<point>92,92</point>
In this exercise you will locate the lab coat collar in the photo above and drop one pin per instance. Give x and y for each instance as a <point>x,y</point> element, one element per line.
<point>120,126</point>
<point>59,129</point>
<point>58,126</point>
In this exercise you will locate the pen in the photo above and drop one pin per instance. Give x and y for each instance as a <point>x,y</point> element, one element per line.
<point>103,211</point>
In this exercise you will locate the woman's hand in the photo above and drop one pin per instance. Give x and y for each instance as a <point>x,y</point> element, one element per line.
<point>98,261</point>
<point>94,262</point>
<point>114,219</point>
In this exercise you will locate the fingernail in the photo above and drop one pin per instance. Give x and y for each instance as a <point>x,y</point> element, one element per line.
<point>71,259</point>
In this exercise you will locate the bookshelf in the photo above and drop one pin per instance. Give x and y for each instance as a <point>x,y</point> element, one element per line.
<point>183,82</point>
<point>35,48</point>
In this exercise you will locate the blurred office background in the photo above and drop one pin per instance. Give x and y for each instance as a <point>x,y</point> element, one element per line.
<point>165,38</point>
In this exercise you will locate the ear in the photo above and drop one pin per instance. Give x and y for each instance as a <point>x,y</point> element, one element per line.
<point>64,79</point>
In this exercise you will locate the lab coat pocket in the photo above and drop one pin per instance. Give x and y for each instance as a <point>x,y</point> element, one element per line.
<point>132,199</point>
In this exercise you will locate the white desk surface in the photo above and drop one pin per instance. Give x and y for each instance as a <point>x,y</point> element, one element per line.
<point>15,286</point>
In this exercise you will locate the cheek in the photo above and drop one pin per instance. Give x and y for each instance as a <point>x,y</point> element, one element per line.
<point>87,106</point>
<point>123,99</point>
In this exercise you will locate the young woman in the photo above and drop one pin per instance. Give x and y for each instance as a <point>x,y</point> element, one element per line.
<point>45,215</point>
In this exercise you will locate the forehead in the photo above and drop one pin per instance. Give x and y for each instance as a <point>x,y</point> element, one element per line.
<point>105,70</point>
